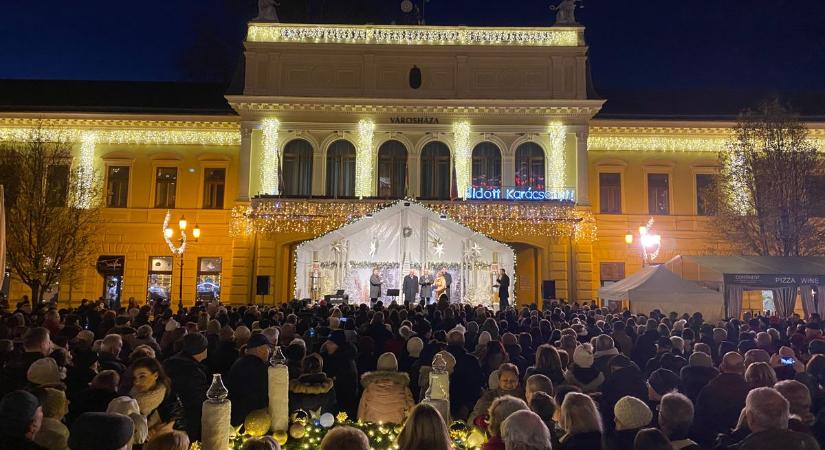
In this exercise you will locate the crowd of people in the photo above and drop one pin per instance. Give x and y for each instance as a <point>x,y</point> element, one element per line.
<point>566,377</point>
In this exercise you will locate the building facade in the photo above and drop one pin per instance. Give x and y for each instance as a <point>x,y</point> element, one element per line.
<point>335,121</point>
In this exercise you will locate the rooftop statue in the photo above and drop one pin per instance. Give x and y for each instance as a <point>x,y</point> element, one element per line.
<point>266,11</point>
<point>565,12</point>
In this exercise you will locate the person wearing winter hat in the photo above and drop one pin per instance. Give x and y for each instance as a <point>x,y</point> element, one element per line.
<point>414,347</point>
<point>190,380</point>
<point>53,434</point>
<point>21,417</point>
<point>129,407</point>
<point>661,382</point>
<point>582,373</point>
<point>248,380</point>
<point>697,374</point>
<point>45,373</point>
<point>631,415</point>
<point>101,431</point>
<point>387,397</point>
<point>409,358</point>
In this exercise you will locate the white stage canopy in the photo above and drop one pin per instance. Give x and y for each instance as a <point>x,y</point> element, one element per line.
<point>655,287</point>
<point>396,239</point>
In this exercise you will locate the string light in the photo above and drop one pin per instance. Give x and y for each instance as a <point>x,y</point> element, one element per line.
<point>421,35</point>
<point>124,132</point>
<point>363,159</point>
<point>493,219</point>
<point>167,236</point>
<point>269,157</point>
<point>463,157</point>
<point>84,170</point>
<point>739,199</point>
<point>557,167</point>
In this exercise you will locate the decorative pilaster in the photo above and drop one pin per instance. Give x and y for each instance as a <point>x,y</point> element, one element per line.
<point>582,179</point>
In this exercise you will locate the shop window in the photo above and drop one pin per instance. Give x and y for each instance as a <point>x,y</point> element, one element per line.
<point>435,171</point>
<point>111,269</point>
<point>530,166</point>
<point>704,194</point>
<point>486,165</point>
<point>611,272</point>
<point>166,183</point>
<point>610,193</point>
<point>341,169</point>
<point>57,185</point>
<point>117,186</point>
<point>214,187</point>
<point>297,169</point>
<point>159,283</point>
<point>392,170</point>
<point>658,196</point>
<point>209,279</point>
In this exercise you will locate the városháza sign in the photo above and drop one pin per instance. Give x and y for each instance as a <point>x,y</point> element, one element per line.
<point>517,193</point>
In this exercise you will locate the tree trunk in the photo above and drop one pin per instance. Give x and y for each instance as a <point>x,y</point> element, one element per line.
<point>37,292</point>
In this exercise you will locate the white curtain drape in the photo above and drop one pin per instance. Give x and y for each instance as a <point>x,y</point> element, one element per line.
<point>808,303</point>
<point>785,300</point>
<point>820,301</point>
<point>734,301</point>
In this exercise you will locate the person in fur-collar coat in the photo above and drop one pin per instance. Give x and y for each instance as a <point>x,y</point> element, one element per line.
<point>387,397</point>
<point>313,390</point>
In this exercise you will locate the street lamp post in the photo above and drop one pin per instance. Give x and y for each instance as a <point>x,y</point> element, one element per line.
<point>180,249</point>
<point>649,242</point>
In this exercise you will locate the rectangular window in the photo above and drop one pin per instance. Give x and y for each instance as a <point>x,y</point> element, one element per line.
<point>209,279</point>
<point>816,195</point>
<point>610,193</point>
<point>57,185</point>
<point>704,186</point>
<point>611,272</point>
<point>214,183</point>
<point>658,201</point>
<point>159,278</point>
<point>117,186</point>
<point>166,184</point>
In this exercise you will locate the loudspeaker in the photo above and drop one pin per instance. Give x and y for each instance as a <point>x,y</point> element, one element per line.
<point>548,289</point>
<point>262,285</point>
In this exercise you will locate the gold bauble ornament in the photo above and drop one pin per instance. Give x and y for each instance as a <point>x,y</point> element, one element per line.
<point>476,438</point>
<point>280,436</point>
<point>341,417</point>
<point>458,430</point>
<point>299,416</point>
<point>297,430</point>
<point>257,423</point>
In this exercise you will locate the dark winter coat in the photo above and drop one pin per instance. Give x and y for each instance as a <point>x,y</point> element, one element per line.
<point>313,392</point>
<point>625,381</point>
<point>221,360</point>
<point>718,406</point>
<point>248,386</point>
<point>107,361</point>
<point>89,400</point>
<point>582,441</point>
<point>190,381</point>
<point>694,378</point>
<point>14,374</point>
<point>465,381</point>
<point>18,443</point>
<point>340,366</point>
<point>645,348</point>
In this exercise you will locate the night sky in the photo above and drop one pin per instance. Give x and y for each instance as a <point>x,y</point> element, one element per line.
<point>651,45</point>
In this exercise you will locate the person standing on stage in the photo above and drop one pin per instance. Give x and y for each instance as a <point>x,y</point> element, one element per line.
<point>448,280</point>
<point>410,287</point>
<point>375,286</point>
<point>426,282</point>
<point>503,283</point>
<point>440,286</point>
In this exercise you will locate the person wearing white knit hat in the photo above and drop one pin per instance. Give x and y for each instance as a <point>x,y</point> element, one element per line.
<point>582,373</point>
<point>45,372</point>
<point>631,415</point>
<point>414,346</point>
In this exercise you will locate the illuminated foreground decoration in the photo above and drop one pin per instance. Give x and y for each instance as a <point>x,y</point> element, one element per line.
<point>463,160</point>
<point>270,157</point>
<point>363,159</point>
<point>419,35</point>
<point>495,219</point>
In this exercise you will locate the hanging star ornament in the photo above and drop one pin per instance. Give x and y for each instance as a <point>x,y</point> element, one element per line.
<point>373,246</point>
<point>476,250</point>
<point>337,247</point>
<point>438,246</point>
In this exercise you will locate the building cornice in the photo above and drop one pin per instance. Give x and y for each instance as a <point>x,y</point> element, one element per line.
<point>274,32</point>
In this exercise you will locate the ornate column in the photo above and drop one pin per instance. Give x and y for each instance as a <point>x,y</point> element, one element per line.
<point>245,160</point>
<point>582,169</point>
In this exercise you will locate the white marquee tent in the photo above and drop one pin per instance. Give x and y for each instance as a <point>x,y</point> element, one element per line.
<point>655,287</point>
<point>403,236</point>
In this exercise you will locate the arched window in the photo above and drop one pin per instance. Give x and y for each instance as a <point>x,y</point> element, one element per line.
<point>435,171</point>
<point>530,166</point>
<point>341,169</point>
<point>392,170</point>
<point>297,168</point>
<point>486,165</point>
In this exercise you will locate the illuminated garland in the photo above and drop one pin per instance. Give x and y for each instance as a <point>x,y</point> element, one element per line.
<point>175,250</point>
<point>463,159</point>
<point>269,157</point>
<point>363,159</point>
<point>499,220</point>
<point>557,168</point>
<point>141,136</point>
<point>419,35</point>
<point>738,189</point>
<point>84,172</point>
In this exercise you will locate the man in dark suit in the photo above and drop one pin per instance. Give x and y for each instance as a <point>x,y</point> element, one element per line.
<point>447,279</point>
<point>503,290</point>
<point>410,287</point>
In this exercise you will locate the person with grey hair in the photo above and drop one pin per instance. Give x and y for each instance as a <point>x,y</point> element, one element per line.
<point>524,430</point>
<point>109,355</point>
<point>766,414</point>
<point>675,420</point>
<point>501,409</point>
